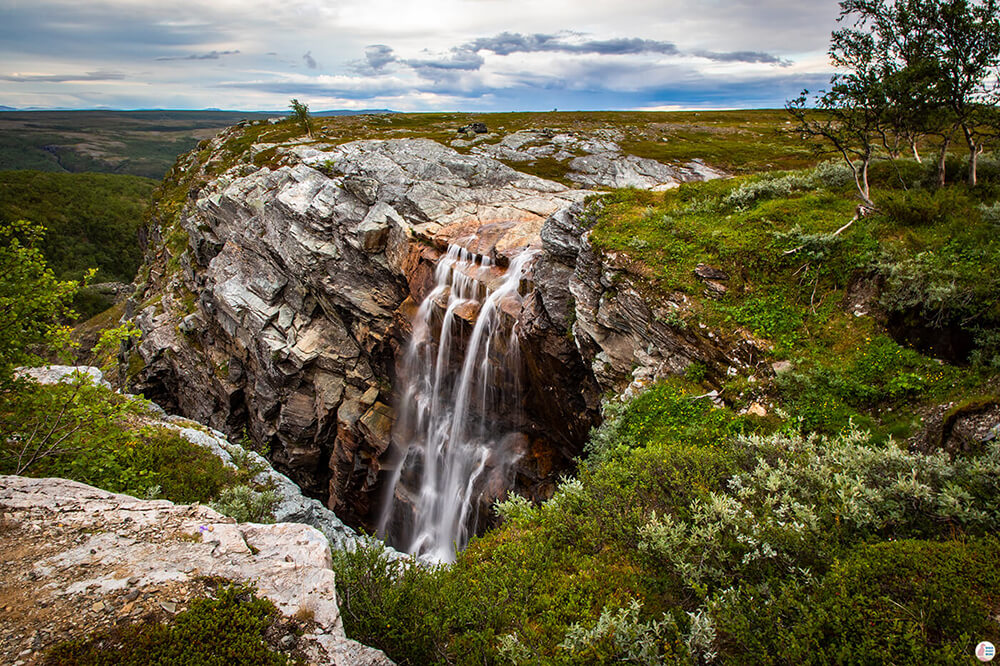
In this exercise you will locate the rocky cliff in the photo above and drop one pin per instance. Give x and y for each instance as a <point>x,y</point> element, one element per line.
<point>280,294</point>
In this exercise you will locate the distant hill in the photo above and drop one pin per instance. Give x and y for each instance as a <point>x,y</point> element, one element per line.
<point>139,143</point>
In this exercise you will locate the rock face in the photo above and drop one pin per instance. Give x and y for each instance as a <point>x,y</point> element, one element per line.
<point>78,559</point>
<point>595,160</point>
<point>292,506</point>
<point>293,298</point>
<point>286,313</point>
<point>628,337</point>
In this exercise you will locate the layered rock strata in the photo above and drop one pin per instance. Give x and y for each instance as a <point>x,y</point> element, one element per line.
<point>296,291</point>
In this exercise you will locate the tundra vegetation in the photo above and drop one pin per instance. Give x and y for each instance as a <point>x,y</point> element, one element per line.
<point>851,522</point>
<point>846,525</point>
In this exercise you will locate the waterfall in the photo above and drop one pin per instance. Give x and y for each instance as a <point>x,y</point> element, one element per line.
<point>459,401</point>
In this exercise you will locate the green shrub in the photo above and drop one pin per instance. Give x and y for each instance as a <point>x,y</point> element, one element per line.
<point>898,602</point>
<point>378,602</point>
<point>765,187</point>
<point>78,431</point>
<point>246,505</point>
<point>619,636</point>
<point>901,173</point>
<point>922,207</point>
<point>804,498</point>
<point>833,174</point>
<point>808,246</point>
<point>990,214</point>
<point>229,629</point>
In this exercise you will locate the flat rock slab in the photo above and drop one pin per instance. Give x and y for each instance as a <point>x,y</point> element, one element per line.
<point>75,559</point>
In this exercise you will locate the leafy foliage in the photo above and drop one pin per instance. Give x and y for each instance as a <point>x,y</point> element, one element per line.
<point>91,220</point>
<point>32,301</point>
<point>78,431</point>
<point>906,601</point>
<point>247,505</point>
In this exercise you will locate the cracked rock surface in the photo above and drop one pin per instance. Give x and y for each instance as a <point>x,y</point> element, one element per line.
<point>75,559</point>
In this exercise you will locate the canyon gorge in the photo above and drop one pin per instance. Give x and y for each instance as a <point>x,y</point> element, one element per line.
<point>411,332</point>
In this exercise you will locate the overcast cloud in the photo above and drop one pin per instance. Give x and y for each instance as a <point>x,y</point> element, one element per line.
<point>489,55</point>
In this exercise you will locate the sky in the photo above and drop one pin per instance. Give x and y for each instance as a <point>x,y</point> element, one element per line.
<point>412,55</point>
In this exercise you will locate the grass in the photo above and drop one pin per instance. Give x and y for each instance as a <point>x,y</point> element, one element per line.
<point>931,264</point>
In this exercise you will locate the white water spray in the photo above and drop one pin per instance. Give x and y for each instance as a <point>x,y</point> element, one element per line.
<point>447,410</point>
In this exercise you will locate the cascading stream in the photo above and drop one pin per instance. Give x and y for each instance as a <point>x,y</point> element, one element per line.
<point>453,393</point>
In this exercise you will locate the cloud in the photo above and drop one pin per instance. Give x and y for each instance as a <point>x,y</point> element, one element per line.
<point>468,56</point>
<point>457,58</point>
<point>378,56</point>
<point>211,55</point>
<point>507,43</point>
<point>744,56</point>
<point>63,78</point>
<point>343,87</point>
<point>514,54</point>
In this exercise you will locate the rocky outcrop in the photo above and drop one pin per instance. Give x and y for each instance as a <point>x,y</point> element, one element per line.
<point>286,312</point>
<point>77,559</point>
<point>289,306</point>
<point>628,335</point>
<point>594,160</point>
<point>612,169</point>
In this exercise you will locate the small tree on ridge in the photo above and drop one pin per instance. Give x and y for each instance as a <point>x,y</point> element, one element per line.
<point>301,113</point>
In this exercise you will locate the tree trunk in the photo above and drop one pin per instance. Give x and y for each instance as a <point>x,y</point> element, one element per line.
<point>974,150</point>
<point>861,178</point>
<point>941,161</point>
<point>916,153</point>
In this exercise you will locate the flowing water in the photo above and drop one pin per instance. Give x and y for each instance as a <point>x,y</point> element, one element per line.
<point>458,402</point>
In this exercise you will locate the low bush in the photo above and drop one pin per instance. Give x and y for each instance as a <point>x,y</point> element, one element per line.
<point>80,431</point>
<point>896,602</point>
<point>765,187</point>
<point>246,505</point>
<point>922,207</point>
<point>229,629</point>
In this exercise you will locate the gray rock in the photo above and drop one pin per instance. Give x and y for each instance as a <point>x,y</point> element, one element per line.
<point>61,374</point>
<point>299,274</point>
<point>293,506</point>
<point>160,545</point>
<point>608,169</point>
